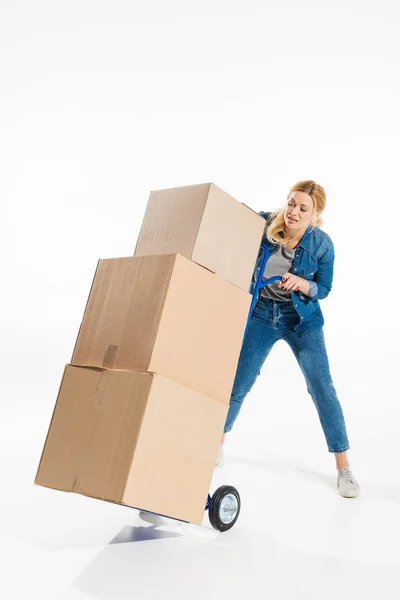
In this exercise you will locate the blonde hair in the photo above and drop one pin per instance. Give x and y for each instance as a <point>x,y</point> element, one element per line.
<point>276,229</point>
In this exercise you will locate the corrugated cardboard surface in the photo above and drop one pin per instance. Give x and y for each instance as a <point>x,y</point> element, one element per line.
<point>206,225</point>
<point>229,238</point>
<point>124,308</point>
<point>172,220</point>
<point>134,438</point>
<point>201,330</point>
<point>175,459</point>
<point>93,432</point>
<point>168,315</point>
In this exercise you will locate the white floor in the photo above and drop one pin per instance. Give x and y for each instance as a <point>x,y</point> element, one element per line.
<point>99,105</point>
<point>296,537</point>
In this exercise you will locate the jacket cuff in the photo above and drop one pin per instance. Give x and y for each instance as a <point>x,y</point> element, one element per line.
<point>313,292</point>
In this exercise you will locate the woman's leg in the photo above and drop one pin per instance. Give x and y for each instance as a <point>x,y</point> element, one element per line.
<point>259,339</point>
<point>310,352</point>
<point>341,460</point>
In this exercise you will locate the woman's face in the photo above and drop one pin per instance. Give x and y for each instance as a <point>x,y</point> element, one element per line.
<point>299,212</point>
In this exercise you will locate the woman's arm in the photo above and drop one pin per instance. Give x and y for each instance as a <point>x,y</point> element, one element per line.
<point>324,274</point>
<point>321,285</point>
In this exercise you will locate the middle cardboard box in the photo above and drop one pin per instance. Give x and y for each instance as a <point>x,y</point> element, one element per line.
<point>168,315</point>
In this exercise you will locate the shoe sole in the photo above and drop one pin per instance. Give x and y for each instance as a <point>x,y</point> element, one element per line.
<point>350,494</point>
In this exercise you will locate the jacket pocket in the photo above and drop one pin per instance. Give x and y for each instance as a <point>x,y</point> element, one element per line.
<point>308,268</point>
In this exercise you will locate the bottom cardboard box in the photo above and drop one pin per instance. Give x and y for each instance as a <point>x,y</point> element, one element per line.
<point>134,438</point>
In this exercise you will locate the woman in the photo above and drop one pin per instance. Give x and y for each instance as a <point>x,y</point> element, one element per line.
<point>289,310</point>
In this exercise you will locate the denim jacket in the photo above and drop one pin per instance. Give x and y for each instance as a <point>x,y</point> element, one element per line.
<point>313,260</point>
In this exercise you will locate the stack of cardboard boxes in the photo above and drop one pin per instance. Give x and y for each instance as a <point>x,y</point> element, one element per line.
<point>142,405</point>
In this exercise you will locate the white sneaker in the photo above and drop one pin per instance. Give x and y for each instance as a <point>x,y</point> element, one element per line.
<point>220,457</point>
<point>347,484</point>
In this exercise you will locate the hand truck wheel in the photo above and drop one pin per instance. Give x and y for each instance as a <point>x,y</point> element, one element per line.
<point>224,508</point>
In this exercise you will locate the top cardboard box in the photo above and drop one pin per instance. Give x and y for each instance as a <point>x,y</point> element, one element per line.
<point>207,226</point>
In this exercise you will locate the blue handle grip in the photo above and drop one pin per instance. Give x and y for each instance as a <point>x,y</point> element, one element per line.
<point>260,283</point>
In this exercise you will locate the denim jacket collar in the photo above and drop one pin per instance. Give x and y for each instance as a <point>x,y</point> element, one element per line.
<point>310,241</point>
<point>306,240</point>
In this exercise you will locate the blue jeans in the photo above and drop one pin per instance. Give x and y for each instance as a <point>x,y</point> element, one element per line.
<point>272,321</point>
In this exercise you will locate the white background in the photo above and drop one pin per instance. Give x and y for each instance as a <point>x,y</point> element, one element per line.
<point>101,102</point>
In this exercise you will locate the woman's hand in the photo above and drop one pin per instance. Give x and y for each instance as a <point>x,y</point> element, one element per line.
<point>294,283</point>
